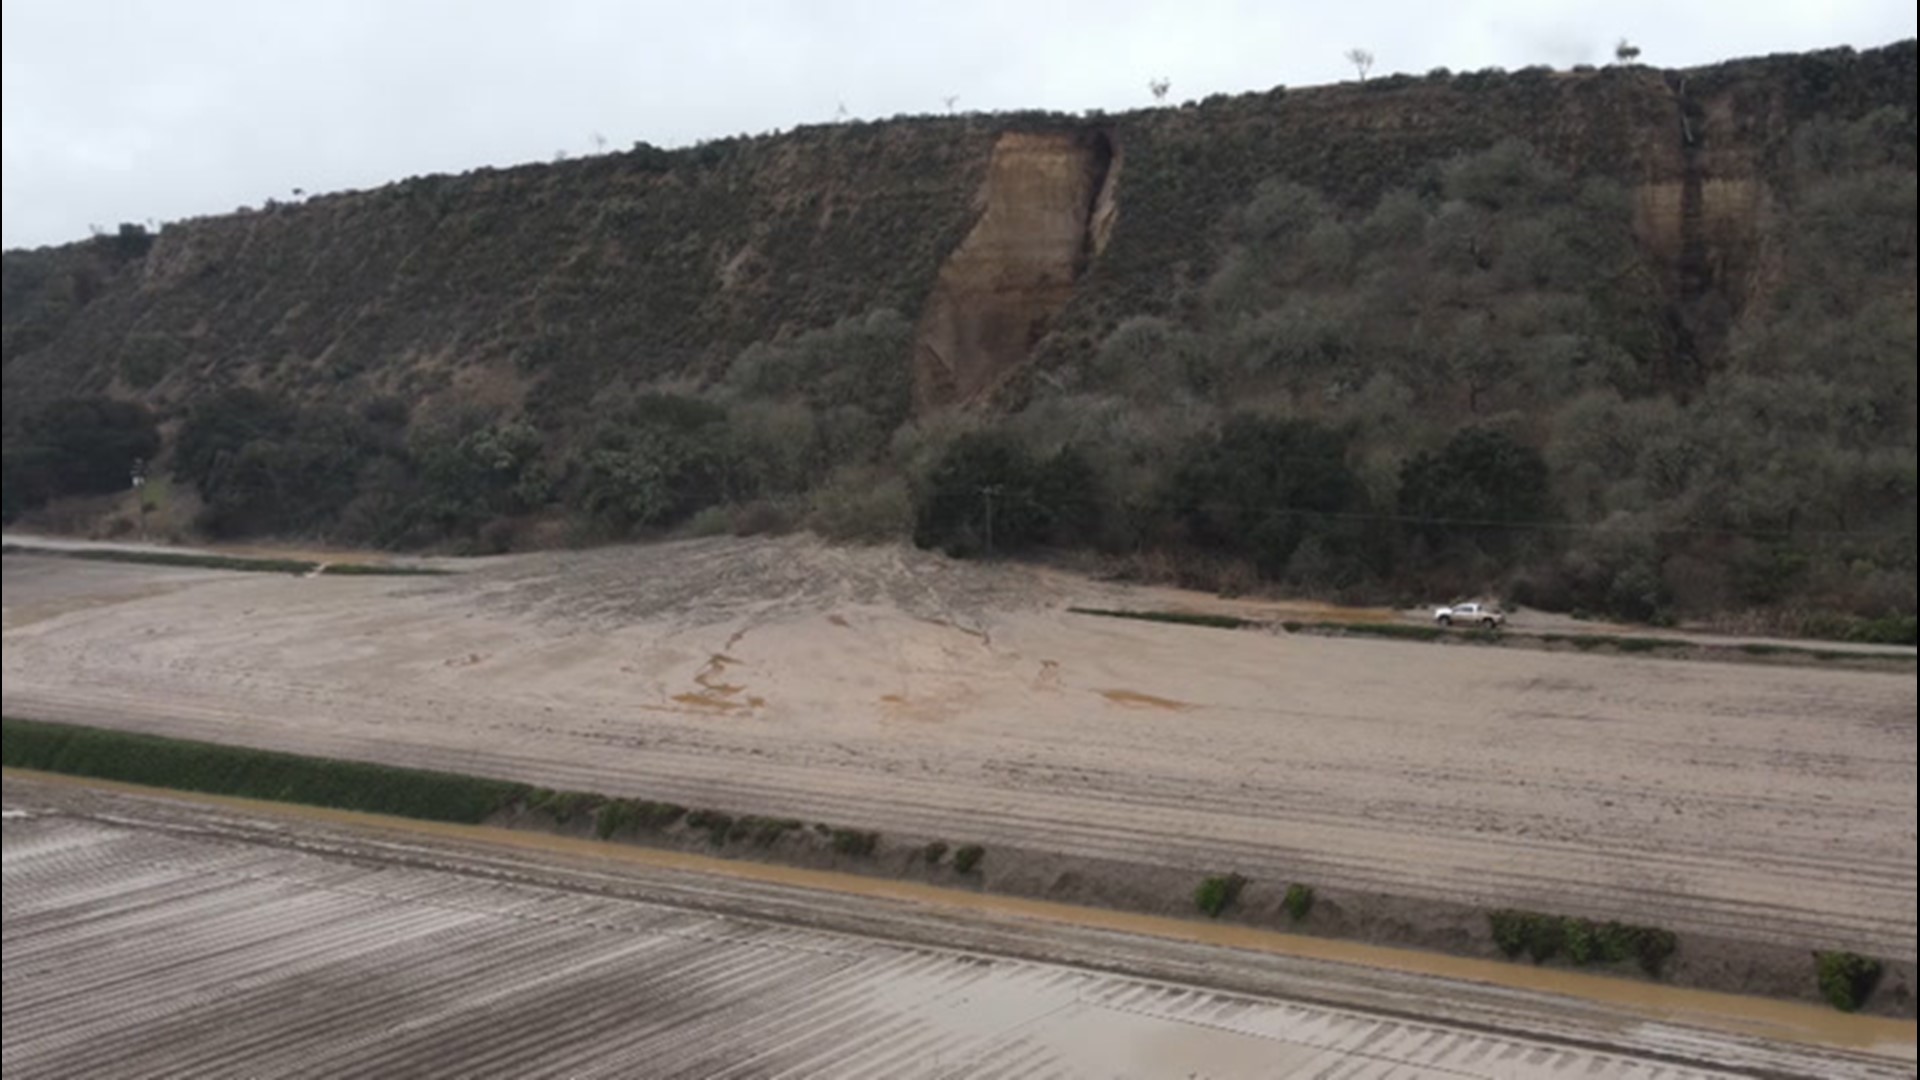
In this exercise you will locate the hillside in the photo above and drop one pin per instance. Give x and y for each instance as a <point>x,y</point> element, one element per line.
<point>1623,339</point>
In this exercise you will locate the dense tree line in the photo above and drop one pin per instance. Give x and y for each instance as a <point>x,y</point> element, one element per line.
<point>75,446</point>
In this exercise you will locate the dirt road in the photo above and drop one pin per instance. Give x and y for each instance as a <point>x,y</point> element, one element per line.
<point>159,936</point>
<point>940,700</point>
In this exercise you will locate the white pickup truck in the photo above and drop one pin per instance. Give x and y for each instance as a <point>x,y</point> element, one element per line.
<point>1470,614</point>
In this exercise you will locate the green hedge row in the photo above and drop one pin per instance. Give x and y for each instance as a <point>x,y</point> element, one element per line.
<point>257,774</point>
<point>1582,941</point>
<point>1181,618</point>
<point>172,558</point>
<point>255,564</point>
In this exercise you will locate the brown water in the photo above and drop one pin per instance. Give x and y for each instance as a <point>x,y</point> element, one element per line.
<point>1761,1017</point>
<point>1135,699</point>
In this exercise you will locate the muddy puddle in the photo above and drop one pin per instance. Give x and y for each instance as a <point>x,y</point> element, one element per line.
<point>1133,699</point>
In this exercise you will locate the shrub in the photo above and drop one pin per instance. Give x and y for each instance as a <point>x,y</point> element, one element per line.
<point>1509,931</point>
<point>711,521</point>
<point>862,362</point>
<point>1649,946</point>
<point>934,852</point>
<point>1847,979</point>
<point>1218,893</point>
<point>379,570</point>
<point>778,446</point>
<point>616,815</point>
<point>1584,941</point>
<point>1581,942</point>
<point>765,831</point>
<point>1539,936</point>
<point>862,504</point>
<point>1888,630</point>
<point>628,815</point>
<point>1151,359</point>
<point>1643,644</point>
<point>1388,630</point>
<point>1546,936</point>
<point>1298,901</point>
<point>968,857</point>
<point>854,842</point>
<point>762,518</point>
<point>716,825</point>
<point>567,805</point>
<point>1891,630</point>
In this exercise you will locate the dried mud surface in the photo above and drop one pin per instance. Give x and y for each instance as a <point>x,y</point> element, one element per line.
<point>891,689</point>
<point>159,935</point>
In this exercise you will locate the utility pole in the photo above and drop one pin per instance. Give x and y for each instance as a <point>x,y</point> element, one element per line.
<point>139,477</point>
<point>987,493</point>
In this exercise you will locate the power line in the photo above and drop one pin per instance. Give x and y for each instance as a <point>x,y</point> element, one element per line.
<point>992,492</point>
<point>1539,524</point>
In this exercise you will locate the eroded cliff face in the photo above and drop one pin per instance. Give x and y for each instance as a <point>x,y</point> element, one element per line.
<point>1048,208</point>
<point>1699,209</point>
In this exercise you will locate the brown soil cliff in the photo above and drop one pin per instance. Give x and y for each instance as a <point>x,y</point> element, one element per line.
<point>1017,267</point>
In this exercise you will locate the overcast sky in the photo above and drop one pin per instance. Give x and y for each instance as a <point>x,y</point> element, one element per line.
<point>129,111</point>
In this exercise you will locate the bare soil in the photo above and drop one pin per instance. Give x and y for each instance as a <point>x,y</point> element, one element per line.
<point>1758,811</point>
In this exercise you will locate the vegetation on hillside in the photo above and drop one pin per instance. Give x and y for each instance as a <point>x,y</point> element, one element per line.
<point>1365,363</point>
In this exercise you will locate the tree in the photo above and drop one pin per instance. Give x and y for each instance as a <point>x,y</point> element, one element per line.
<point>1159,88</point>
<point>474,470</point>
<point>264,465</point>
<point>76,446</point>
<point>1260,487</point>
<point>218,427</point>
<point>1626,52</point>
<point>988,493</point>
<point>1482,485</point>
<point>132,241</point>
<point>1362,61</point>
<point>655,462</point>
